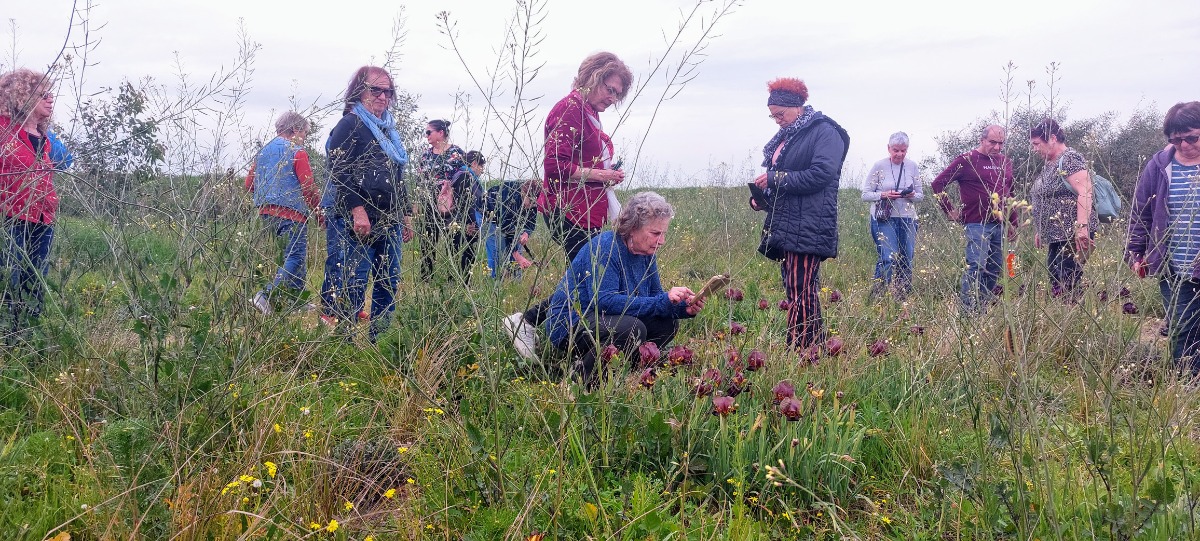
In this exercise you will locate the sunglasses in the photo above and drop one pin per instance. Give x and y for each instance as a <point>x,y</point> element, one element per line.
<point>379,91</point>
<point>428,133</point>
<point>47,95</point>
<point>1180,139</point>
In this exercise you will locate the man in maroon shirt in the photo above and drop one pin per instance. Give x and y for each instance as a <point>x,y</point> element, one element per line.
<point>985,179</point>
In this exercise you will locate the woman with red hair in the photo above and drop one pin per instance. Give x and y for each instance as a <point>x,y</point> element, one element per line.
<point>799,195</point>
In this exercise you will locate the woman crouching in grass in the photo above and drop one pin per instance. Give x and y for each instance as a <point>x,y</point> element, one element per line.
<point>612,292</point>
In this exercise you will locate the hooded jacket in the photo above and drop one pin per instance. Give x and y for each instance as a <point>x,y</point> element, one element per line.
<point>1149,218</point>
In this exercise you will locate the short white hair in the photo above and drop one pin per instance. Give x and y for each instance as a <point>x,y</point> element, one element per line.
<point>898,139</point>
<point>641,209</point>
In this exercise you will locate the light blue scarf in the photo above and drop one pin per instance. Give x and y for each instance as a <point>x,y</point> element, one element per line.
<point>390,144</point>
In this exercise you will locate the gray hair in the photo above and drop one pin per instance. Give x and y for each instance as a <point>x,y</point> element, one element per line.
<point>641,209</point>
<point>898,139</point>
<point>988,129</point>
<point>290,123</point>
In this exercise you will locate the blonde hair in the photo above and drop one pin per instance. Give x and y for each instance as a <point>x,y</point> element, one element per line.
<point>600,66</point>
<point>20,91</point>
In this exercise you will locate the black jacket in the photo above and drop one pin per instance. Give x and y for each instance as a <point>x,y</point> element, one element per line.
<point>363,175</point>
<point>803,182</point>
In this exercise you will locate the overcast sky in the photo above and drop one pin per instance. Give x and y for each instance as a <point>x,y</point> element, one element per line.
<point>920,66</point>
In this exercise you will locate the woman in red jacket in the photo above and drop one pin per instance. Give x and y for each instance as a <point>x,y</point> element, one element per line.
<point>27,199</point>
<point>578,165</point>
<point>577,168</point>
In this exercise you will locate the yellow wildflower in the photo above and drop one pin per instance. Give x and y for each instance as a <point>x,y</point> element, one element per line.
<point>349,506</point>
<point>333,526</point>
<point>391,493</point>
<point>411,481</point>
<point>277,428</point>
<point>271,468</point>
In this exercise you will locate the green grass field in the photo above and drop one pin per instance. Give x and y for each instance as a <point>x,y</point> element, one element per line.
<point>156,403</point>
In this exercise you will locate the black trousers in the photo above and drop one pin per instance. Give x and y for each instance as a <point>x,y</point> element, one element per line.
<point>624,332</point>
<point>432,224</point>
<point>1066,270</point>
<point>463,245</point>
<point>572,238</point>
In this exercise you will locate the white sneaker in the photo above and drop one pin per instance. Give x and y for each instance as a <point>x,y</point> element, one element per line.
<point>261,303</point>
<point>523,336</point>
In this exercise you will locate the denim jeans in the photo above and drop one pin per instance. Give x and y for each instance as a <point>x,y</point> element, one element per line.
<point>1181,297</point>
<point>24,263</point>
<point>500,249</point>
<point>350,262</point>
<point>985,256</point>
<point>293,236</point>
<point>894,242</point>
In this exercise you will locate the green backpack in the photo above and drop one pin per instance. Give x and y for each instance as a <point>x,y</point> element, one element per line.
<point>1104,196</point>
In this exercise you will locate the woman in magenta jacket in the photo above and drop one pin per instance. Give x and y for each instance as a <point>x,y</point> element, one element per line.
<point>577,168</point>
<point>578,163</point>
<point>27,198</point>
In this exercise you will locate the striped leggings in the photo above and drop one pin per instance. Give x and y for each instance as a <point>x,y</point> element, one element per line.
<point>802,285</point>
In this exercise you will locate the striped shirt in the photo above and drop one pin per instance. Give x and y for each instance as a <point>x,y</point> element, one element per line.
<point>1183,205</point>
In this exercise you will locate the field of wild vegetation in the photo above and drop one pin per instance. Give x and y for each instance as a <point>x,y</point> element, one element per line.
<point>156,403</point>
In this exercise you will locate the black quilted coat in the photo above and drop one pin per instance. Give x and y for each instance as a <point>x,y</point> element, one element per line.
<point>803,182</point>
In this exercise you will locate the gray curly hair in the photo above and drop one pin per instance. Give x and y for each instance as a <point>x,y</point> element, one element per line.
<point>641,209</point>
<point>20,91</point>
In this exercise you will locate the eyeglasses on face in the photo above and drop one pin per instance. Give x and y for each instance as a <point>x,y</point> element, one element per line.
<point>428,132</point>
<point>777,116</point>
<point>1181,139</point>
<point>380,91</point>
<point>47,95</point>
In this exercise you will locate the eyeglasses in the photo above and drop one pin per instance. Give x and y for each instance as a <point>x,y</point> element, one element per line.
<point>1180,139</point>
<point>776,116</point>
<point>379,91</point>
<point>48,95</point>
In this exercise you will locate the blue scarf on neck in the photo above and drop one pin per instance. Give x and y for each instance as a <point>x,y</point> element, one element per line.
<point>390,143</point>
<point>786,133</point>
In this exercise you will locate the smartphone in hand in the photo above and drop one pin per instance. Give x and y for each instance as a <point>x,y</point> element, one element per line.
<point>616,166</point>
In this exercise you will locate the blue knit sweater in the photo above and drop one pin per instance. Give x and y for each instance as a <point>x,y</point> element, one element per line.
<point>609,279</point>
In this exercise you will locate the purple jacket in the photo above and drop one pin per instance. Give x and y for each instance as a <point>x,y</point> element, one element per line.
<point>1149,220</point>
